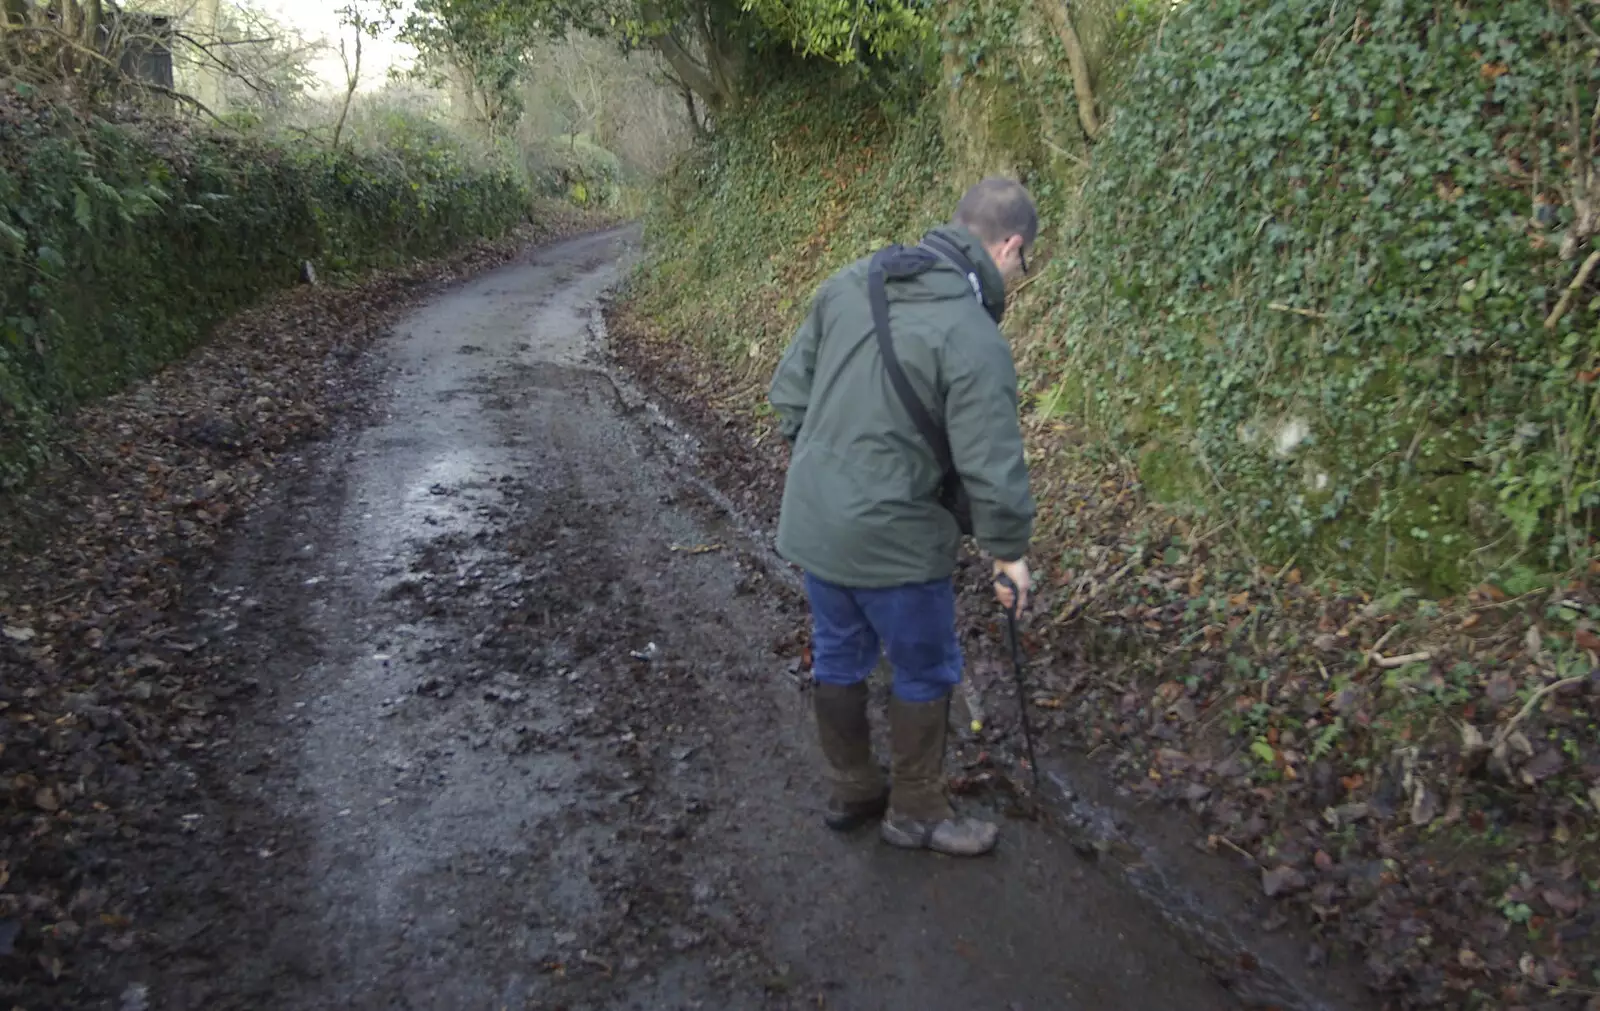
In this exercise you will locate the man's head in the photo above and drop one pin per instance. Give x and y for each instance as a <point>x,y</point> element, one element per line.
<point>1002,215</point>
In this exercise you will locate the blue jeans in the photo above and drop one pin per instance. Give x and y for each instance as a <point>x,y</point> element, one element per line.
<point>915,625</point>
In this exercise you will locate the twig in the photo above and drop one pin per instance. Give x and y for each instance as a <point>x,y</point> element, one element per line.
<point>1504,733</point>
<point>116,69</point>
<point>1571,293</point>
<point>1063,152</point>
<point>1583,23</point>
<point>1383,639</point>
<point>1076,607</point>
<point>1392,662</point>
<point>1308,313</point>
<point>1024,284</point>
<point>1283,569</point>
<point>1224,840</point>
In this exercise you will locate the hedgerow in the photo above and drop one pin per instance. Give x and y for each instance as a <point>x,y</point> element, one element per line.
<point>120,245</point>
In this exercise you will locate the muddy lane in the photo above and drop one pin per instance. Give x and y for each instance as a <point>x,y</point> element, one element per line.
<point>526,734</point>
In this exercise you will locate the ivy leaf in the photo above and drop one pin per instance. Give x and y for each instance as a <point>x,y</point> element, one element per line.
<point>51,260</point>
<point>82,209</point>
<point>14,238</point>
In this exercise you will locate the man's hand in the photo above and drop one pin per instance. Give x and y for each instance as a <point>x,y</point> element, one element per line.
<point>1017,572</point>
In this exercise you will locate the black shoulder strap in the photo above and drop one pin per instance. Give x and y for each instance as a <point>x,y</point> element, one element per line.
<point>878,296</point>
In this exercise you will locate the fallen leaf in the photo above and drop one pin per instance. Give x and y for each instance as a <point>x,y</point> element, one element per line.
<point>1545,764</point>
<point>1502,689</point>
<point>1424,804</point>
<point>1561,902</point>
<point>1282,881</point>
<point>20,633</point>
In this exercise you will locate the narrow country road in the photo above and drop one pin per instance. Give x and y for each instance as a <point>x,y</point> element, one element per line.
<point>526,734</point>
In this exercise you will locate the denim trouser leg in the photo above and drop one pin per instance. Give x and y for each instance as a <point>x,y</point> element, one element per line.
<point>914,625</point>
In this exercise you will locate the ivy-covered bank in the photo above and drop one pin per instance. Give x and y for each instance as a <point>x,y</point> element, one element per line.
<point>120,245</point>
<point>1310,402</point>
<point>1309,276</point>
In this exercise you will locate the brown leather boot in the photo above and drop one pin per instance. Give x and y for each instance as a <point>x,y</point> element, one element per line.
<point>859,793</point>
<point>920,816</point>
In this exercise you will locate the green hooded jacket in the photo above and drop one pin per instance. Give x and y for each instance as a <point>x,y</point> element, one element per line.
<point>860,505</point>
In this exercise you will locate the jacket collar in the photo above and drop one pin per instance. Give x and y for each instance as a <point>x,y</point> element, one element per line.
<point>992,287</point>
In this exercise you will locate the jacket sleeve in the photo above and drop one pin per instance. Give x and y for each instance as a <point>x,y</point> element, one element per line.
<point>790,393</point>
<point>986,443</point>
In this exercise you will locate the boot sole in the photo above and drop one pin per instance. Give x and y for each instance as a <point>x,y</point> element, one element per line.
<point>903,838</point>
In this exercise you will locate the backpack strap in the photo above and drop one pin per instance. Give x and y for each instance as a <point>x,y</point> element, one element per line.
<point>894,261</point>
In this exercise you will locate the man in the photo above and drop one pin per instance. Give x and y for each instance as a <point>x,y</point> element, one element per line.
<point>862,514</point>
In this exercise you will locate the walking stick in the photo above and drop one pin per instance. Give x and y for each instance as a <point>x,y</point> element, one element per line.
<point>1016,666</point>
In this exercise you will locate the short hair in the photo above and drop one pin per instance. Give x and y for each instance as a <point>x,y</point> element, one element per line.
<point>996,209</point>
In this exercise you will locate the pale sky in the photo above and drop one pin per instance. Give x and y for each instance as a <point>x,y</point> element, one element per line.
<point>318,19</point>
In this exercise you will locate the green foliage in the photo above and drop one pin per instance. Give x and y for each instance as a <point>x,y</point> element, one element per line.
<point>483,45</point>
<point>122,246</point>
<point>812,176</point>
<point>577,170</point>
<point>845,30</point>
<point>1308,277</point>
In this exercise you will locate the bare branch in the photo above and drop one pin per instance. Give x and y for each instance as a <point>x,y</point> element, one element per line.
<point>1573,289</point>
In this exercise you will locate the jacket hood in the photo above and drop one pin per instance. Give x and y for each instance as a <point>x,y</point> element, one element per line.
<point>992,286</point>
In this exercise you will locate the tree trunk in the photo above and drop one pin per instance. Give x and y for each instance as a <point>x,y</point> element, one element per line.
<point>1082,81</point>
<point>352,76</point>
<point>689,107</point>
<point>716,81</point>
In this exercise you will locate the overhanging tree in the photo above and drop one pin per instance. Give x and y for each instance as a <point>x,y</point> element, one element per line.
<point>708,44</point>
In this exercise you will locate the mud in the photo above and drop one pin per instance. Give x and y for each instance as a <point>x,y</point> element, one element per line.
<point>526,729</point>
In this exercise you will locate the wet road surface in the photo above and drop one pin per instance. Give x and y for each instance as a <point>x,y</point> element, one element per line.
<point>527,734</point>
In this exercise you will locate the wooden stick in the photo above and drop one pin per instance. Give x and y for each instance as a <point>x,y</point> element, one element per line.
<point>1308,313</point>
<point>1076,608</point>
<point>1571,293</point>
<point>1392,662</point>
<point>1504,733</point>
